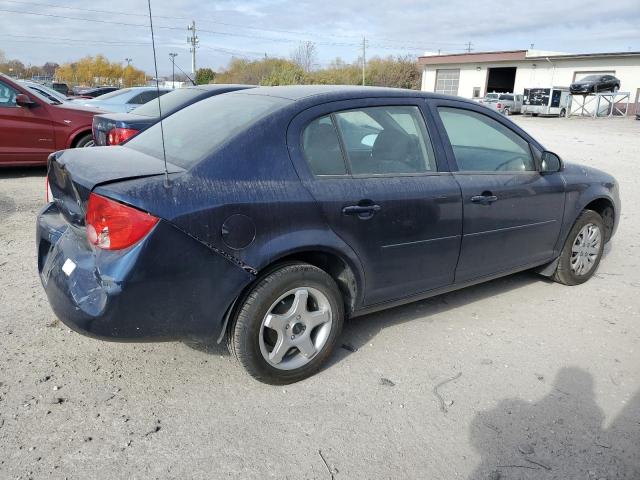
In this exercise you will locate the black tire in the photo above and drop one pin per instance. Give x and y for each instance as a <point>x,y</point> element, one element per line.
<point>563,113</point>
<point>243,338</point>
<point>84,141</point>
<point>564,274</point>
<point>506,112</point>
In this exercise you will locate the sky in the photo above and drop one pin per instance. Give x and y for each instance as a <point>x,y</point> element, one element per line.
<point>37,31</point>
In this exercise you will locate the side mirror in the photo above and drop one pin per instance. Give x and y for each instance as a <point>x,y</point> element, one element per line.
<point>23,100</point>
<point>550,162</point>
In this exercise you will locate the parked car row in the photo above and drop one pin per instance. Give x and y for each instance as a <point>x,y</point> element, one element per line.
<point>36,120</point>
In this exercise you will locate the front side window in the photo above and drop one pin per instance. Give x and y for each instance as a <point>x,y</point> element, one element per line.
<point>482,144</point>
<point>386,140</point>
<point>7,96</point>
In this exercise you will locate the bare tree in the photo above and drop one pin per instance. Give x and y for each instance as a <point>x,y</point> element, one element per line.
<point>305,55</point>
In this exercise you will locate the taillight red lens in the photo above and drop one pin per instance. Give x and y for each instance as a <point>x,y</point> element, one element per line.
<point>113,226</point>
<point>499,105</point>
<point>118,135</point>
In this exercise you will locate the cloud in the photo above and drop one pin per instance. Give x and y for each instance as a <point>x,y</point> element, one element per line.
<point>257,27</point>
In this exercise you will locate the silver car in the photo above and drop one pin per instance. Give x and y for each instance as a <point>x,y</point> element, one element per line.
<point>505,103</point>
<point>123,100</point>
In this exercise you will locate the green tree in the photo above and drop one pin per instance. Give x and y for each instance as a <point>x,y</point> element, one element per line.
<point>204,76</point>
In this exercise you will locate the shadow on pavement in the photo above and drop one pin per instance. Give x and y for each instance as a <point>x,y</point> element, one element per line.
<point>561,436</point>
<point>23,172</point>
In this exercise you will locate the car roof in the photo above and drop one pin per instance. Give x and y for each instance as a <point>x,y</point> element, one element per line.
<point>327,93</point>
<point>219,86</point>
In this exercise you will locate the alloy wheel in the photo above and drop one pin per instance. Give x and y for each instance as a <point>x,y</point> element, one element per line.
<point>295,328</point>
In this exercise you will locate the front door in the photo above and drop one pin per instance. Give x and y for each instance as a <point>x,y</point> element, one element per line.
<point>512,213</point>
<point>372,168</point>
<point>26,133</point>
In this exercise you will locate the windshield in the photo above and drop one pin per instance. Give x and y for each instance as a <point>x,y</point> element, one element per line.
<point>169,102</point>
<point>51,96</point>
<point>191,134</point>
<point>491,96</point>
<point>590,78</point>
<point>115,93</point>
<point>35,90</point>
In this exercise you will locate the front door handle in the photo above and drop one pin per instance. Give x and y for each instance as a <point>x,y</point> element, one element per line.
<point>362,211</point>
<point>487,198</point>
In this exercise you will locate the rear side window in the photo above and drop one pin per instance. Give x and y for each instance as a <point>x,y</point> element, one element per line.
<point>169,102</point>
<point>195,132</point>
<point>322,148</point>
<point>386,140</point>
<point>480,143</point>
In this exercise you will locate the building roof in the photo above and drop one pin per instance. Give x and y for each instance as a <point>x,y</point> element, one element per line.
<point>512,55</point>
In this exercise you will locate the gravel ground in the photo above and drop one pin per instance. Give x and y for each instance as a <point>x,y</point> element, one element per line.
<point>516,378</point>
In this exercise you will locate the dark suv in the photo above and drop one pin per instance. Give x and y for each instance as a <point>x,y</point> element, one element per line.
<point>595,84</point>
<point>272,214</point>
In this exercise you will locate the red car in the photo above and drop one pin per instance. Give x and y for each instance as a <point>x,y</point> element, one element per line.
<point>32,126</point>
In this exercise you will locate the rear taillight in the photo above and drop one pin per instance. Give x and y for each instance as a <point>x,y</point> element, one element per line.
<point>113,226</point>
<point>118,135</point>
<point>499,105</point>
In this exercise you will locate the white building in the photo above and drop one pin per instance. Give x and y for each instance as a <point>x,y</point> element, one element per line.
<point>473,75</point>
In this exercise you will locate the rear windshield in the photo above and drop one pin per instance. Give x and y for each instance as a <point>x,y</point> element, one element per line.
<point>506,97</point>
<point>115,93</point>
<point>169,102</point>
<point>590,78</point>
<point>191,134</point>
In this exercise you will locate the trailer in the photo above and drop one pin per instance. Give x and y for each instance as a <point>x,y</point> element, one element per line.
<point>546,101</point>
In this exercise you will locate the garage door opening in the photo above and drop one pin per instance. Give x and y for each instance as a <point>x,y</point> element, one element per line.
<point>501,80</point>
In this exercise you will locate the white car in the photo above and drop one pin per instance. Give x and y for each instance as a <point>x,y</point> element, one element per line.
<point>123,100</point>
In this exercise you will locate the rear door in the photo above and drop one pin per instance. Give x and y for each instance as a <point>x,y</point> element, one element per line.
<point>512,213</point>
<point>26,133</point>
<point>373,168</point>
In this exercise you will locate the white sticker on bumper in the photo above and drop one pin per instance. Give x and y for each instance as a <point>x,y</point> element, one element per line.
<point>68,267</point>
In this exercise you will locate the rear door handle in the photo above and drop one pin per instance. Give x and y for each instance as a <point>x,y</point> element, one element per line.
<point>363,211</point>
<point>485,199</point>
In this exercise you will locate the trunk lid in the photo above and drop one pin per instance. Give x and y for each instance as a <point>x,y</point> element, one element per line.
<point>102,124</point>
<point>73,174</point>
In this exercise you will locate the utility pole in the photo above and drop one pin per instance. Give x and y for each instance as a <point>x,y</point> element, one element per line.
<point>193,41</point>
<point>173,70</point>
<point>469,47</point>
<point>364,59</point>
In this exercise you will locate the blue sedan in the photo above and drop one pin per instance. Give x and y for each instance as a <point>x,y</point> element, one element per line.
<point>272,214</point>
<point>123,100</point>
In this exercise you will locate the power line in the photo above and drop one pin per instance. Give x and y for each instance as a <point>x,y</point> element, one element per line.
<point>235,25</point>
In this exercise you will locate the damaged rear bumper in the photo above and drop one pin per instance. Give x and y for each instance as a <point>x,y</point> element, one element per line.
<point>166,287</point>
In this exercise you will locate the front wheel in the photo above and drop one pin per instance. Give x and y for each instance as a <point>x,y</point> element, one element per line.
<point>287,325</point>
<point>563,113</point>
<point>582,250</point>
<point>85,141</point>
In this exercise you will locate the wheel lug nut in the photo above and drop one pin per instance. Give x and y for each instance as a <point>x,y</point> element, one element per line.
<point>292,337</point>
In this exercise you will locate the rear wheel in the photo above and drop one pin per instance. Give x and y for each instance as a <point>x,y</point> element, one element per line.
<point>85,141</point>
<point>287,326</point>
<point>582,250</point>
<point>506,111</point>
<point>563,113</point>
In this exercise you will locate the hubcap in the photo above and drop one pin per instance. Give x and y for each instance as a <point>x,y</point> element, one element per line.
<point>295,328</point>
<point>586,248</point>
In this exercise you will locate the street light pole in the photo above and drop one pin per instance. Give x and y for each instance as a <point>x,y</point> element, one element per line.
<point>173,71</point>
